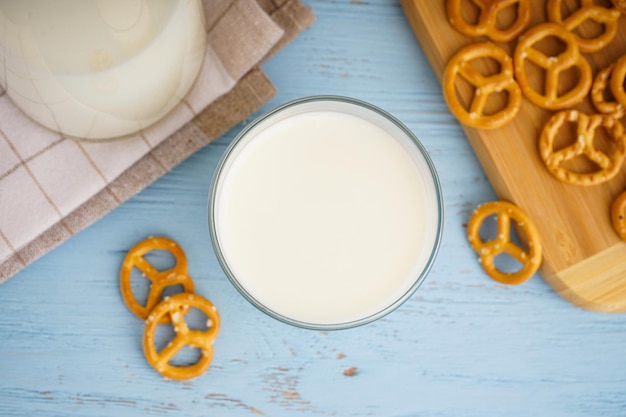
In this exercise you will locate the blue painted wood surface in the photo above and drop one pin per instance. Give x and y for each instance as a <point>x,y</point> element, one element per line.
<point>462,346</point>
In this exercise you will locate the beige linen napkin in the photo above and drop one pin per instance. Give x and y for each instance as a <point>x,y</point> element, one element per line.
<point>52,187</point>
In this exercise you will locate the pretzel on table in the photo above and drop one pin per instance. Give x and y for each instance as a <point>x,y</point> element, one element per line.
<point>488,250</point>
<point>588,10</point>
<point>553,66</point>
<point>159,280</point>
<point>202,339</point>
<point>460,66</point>
<point>486,24</point>
<point>586,125</point>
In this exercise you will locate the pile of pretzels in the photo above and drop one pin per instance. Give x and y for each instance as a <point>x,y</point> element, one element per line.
<point>605,91</point>
<point>160,309</point>
<point>514,79</point>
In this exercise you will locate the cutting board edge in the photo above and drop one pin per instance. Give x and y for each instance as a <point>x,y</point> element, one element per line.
<point>598,283</point>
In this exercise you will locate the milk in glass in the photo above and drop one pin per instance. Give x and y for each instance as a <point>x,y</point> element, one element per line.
<point>326,217</point>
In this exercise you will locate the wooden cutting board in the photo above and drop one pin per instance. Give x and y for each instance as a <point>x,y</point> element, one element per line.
<point>583,258</point>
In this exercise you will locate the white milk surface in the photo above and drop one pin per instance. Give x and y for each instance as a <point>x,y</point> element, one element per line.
<point>99,68</point>
<point>326,218</point>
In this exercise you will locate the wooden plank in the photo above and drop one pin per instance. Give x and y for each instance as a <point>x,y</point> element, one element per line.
<point>584,259</point>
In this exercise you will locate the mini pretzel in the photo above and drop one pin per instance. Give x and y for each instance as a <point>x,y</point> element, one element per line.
<point>598,88</point>
<point>618,215</point>
<point>201,339</point>
<point>486,24</point>
<point>553,65</point>
<point>459,65</point>
<point>618,77</point>
<point>608,165</point>
<point>588,10</point>
<point>505,212</point>
<point>159,280</point>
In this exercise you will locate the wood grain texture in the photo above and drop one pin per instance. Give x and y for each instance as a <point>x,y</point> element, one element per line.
<point>573,221</point>
<point>463,345</point>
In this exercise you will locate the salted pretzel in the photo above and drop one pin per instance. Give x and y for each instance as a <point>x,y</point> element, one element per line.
<point>618,77</point>
<point>588,10</point>
<point>159,280</point>
<point>201,339</point>
<point>505,213</point>
<point>486,24</point>
<point>553,66</point>
<point>460,66</point>
<point>586,125</point>
<point>618,215</point>
<point>598,90</point>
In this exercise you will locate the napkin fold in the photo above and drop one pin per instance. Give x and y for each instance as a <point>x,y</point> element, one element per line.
<point>52,187</point>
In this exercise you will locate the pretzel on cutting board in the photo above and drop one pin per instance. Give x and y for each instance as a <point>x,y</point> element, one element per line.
<point>553,66</point>
<point>461,65</point>
<point>486,24</point>
<point>608,165</point>
<point>587,11</point>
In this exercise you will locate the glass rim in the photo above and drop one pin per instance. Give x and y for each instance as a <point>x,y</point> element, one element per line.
<point>416,283</point>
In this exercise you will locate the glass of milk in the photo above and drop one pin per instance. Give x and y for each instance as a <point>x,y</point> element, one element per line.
<point>98,69</point>
<point>326,213</point>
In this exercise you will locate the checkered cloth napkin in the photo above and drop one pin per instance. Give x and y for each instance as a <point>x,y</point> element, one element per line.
<point>51,187</point>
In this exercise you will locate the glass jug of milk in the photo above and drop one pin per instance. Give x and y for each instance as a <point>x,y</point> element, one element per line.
<point>98,69</point>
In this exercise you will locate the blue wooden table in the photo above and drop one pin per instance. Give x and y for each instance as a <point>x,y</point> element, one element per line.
<point>463,345</point>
